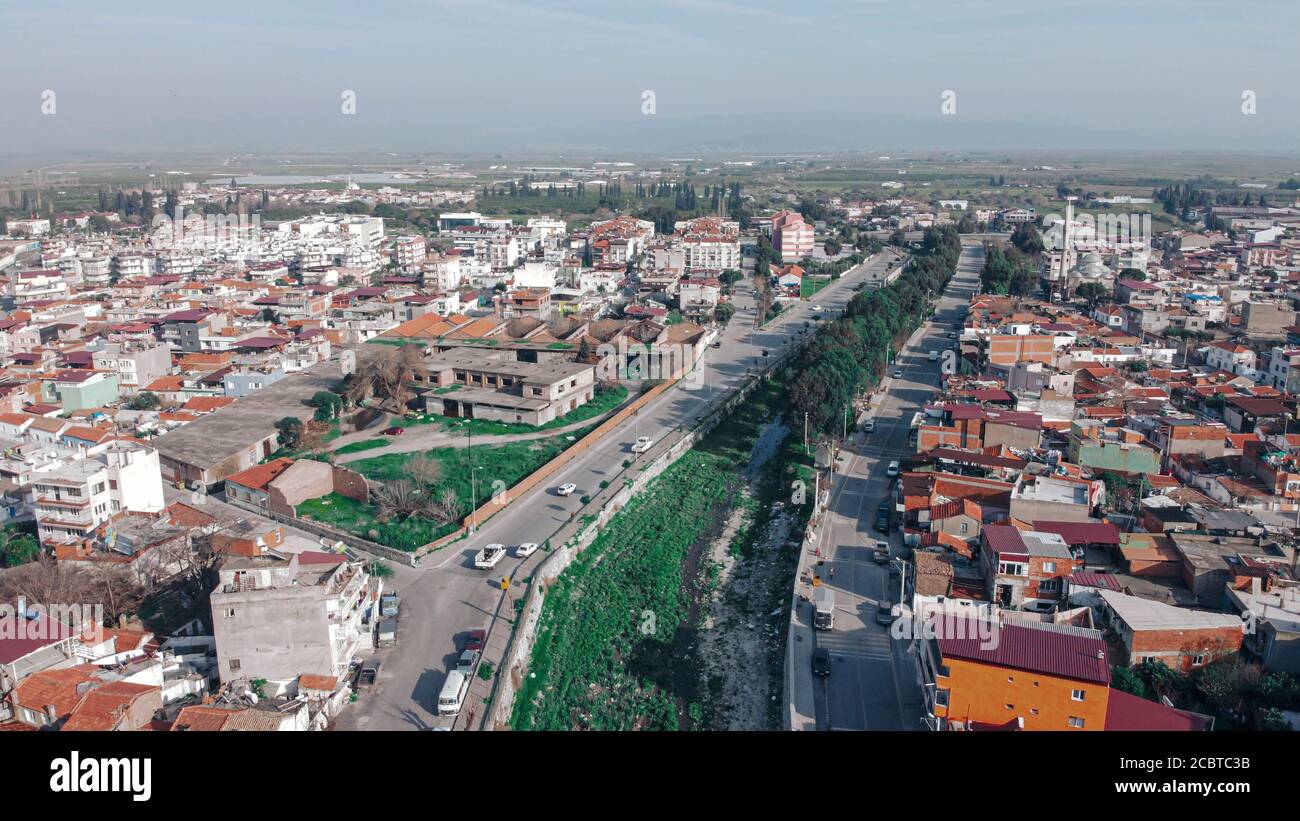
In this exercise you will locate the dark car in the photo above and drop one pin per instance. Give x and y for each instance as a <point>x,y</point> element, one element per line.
<point>475,640</point>
<point>393,431</point>
<point>821,661</point>
<point>367,674</point>
<point>882,516</point>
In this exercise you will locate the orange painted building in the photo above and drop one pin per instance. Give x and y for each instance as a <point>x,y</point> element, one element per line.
<point>1008,349</point>
<point>1025,675</point>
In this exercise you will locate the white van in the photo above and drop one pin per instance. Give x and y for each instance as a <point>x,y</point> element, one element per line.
<point>453,693</point>
<point>934,356</point>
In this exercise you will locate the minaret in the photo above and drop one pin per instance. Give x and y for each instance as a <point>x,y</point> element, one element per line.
<point>1065,244</point>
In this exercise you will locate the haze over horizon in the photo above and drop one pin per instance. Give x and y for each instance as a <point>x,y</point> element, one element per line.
<point>569,76</point>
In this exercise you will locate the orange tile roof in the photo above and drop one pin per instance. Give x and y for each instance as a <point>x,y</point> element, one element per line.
<point>259,476</point>
<point>53,688</point>
<point>105,706</point>
<point>201,718</point>
<point>307,681</point>
<point>207,404</point>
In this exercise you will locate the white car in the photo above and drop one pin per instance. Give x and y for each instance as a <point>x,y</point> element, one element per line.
<point>566,489</point>
<point>869,426</point>
<point>525,550</point>
<point>892,470</point>
<point>643,443</point>
<point>817,307</point>
<point>898,374</point>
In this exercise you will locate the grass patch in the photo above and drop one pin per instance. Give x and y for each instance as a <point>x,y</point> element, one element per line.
<point>359,519</point>
<point>809,286</point>
<point>367,444</point>
<point>507,463</point>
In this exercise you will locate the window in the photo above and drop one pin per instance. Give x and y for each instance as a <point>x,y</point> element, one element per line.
<point>1075,721</point>
<point>1198,659</point>
<point>1077,695</point>
<point>230,613</point>
<point>234,665</point>
<point>1033,711</point>
<point>1011,706</point>
<point>1049,567</point>
<point>1049,586</point>
<point>964,527</point>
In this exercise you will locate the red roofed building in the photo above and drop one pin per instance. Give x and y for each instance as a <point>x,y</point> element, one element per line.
<point>250,486</point>
<point>118,705</point>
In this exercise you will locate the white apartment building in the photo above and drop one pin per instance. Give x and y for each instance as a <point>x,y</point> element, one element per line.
<point>72,500</point>
<point>411,252</point>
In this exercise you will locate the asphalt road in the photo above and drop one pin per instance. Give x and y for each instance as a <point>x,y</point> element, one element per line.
<point>447,596</point>
<point>873,685</point>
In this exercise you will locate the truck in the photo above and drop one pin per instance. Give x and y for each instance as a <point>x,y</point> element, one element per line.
<point>487,558</point>
<point>824,609</point>
<point>643,443</point>
<point>389,605</point>
<point>386,633</point>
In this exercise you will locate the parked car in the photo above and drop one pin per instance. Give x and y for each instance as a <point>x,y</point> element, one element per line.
<point>393,431</point>
<point>821,661</point>
<point>475,640</point>
<point>885,613</point>
<point>869,426</point>
<point>643,443</point>
<point>892,470</point>
<point>466,662</point>
<point>565,489</point>
<point>525,550</point>
<point>934,356</point>
<point>898,373</point>
<point>880,555</point>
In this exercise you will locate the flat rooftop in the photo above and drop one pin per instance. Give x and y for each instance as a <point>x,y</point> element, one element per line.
<point>217,436</point>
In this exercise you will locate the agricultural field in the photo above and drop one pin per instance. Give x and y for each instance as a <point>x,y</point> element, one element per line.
<point>619,634</point>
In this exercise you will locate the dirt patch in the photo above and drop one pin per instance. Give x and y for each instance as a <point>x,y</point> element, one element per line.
<point>741,637</point>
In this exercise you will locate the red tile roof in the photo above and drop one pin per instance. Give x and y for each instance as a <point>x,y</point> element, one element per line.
<point>259,476</point>
<point>1125,711</point>
<point>1068,652</point>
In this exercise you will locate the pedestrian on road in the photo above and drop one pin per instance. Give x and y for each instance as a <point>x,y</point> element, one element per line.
<point>832,572</point>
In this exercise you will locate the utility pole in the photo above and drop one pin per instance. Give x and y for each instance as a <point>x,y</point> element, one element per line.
<point>805,431</point>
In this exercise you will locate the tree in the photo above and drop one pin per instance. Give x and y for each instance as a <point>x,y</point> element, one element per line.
<point>724,312</point>
<point>1027,240</point>
<point>145,400</point>
<point>327,404</point>
<point>1125,679</point>
<point>1133,273</point>
<point>832,247</point>
<point>424,470</point>
<point>290,430</point>
<point>17,547</point>
<point>1092,292</point>
<point>898,239</point>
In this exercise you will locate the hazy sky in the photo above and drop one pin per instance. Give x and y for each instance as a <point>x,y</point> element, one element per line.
<point>548,75</point>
